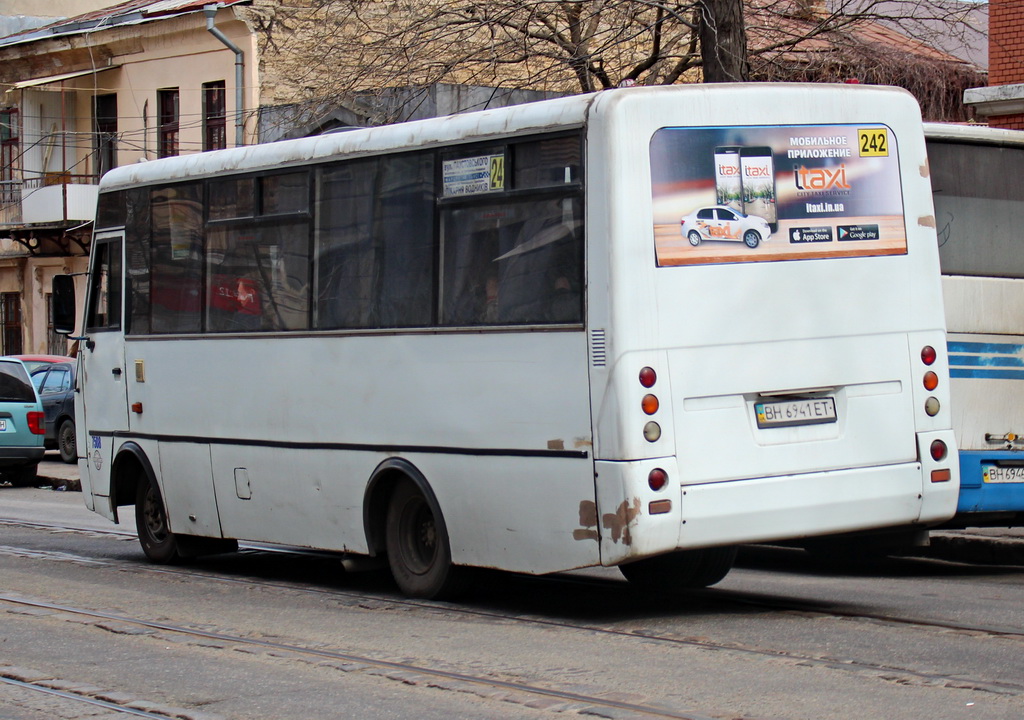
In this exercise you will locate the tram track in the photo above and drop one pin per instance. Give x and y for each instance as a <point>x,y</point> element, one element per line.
<point>81,698</point>
<point>722,598</point>
<point>738,597</point>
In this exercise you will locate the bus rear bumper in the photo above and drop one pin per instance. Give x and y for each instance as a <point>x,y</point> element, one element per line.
<point>770,509</point>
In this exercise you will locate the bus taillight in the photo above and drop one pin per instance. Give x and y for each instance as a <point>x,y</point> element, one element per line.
<point>938,450</point>
<point>650,404</point>
<point>648,377</point>
<point>657,479</point>
<point>931,381</point>
<point>928,355</point>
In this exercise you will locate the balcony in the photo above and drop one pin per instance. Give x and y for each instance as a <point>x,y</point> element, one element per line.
<point>54,199</point>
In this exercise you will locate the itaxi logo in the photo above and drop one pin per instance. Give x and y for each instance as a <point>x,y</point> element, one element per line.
<point>821,179</point>
<point>728,170</point>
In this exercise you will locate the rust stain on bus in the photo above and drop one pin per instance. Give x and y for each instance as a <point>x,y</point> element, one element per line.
<point>618,522</point>
<point>588,519</point>
<point>926,221</point>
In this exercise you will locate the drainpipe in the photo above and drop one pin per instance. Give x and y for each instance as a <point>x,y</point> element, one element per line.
<point>211,13</point>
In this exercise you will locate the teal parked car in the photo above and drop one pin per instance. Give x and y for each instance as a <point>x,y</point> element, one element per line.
<point>22,424</point>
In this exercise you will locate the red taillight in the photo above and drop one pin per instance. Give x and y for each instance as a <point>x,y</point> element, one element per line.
<point>938,450</point>
<point>648,377</point>
<point>931,381</point>
<point>36,422</point>
<point>657,479</point>
<point>928,355</point>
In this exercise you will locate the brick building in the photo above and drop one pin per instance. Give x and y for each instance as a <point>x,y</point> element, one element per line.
<point>1002,102</point>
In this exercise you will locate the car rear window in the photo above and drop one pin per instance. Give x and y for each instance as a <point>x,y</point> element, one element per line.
<point>14,384</point>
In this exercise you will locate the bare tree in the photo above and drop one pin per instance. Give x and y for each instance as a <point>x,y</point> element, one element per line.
<point>323,51</point>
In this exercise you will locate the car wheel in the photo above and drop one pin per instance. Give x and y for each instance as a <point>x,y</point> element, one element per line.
<point>417,545</point>
<point>694,238</point>
<point>23,476</point>
<point>66,442</point>
<point>751,238</point>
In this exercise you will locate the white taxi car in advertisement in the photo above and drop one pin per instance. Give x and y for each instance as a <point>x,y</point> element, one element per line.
<point>723,223</point>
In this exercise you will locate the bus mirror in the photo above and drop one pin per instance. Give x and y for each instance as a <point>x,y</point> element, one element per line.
<point>64,304</point>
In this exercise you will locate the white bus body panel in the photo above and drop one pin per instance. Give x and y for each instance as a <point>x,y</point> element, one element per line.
<point>338,406</point>
<point>984,310</point>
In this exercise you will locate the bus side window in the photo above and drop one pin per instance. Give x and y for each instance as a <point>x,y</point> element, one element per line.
<point>105,288</point>
<point>513,263</point>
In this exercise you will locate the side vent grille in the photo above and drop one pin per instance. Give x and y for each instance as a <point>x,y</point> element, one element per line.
<point>598,351</point>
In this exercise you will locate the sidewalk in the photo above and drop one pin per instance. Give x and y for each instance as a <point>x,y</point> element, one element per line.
<point>61,475</point>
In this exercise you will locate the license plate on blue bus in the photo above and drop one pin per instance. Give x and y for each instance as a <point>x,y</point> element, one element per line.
<point>3,426</point>
<point>1002,473</point>
<point>795,411</point>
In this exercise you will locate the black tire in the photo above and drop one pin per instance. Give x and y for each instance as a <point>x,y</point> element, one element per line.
<point>22,477</point>
<point>155,536</point>
<point>694,237</point>
<point>66,442</point>
<point>751,238</point>
<point>681,570</point>
<point>417,545</point>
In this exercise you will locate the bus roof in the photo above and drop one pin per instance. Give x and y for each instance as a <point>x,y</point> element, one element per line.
<point>540,116</point>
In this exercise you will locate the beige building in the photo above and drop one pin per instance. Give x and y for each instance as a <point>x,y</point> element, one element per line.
<point>129,83</point>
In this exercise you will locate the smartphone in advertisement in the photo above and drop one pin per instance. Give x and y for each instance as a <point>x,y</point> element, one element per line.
<point>728,181</point>
<point>757,170</point>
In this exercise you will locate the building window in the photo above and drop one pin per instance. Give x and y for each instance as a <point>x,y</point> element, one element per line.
<point>9,190</point>
<point>10,323</point>
<point>215,135</point>
<point>56,344</point>
<point>167,145</point>
<point>105,129</point>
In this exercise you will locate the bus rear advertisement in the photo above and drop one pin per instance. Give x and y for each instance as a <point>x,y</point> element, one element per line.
<point>634,328</point>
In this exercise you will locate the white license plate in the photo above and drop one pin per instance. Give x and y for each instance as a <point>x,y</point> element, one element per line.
<point>1002,474</point>
<point>789,413</point>
<point>3,425</point>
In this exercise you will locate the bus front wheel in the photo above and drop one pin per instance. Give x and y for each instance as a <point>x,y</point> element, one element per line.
<point>417,545</point>
<point>155,536</point>
<point>681,570</point>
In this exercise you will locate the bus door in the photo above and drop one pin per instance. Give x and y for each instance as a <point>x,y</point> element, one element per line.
<point>104,401</point>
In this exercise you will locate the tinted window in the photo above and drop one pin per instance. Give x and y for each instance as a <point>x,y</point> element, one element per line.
<point>547,163</point>
<point>57,380</point>
<point>176,291</point>
<point>979,197</point>
<point>258,277</point>
<point>513,263</point>
<point>105,287</point>
<point>14,384</point>
<point>375,245</point>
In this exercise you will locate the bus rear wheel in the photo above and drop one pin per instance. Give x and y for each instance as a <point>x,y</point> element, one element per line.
<point>681,570</point>
<point>155,536</point>
<point>417,545</point>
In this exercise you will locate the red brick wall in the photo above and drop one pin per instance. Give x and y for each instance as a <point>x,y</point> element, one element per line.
<point>1005,42</point>
<point>1007,122</point>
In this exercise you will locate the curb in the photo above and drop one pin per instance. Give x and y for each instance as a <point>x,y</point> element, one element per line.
<point>977,549</point>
